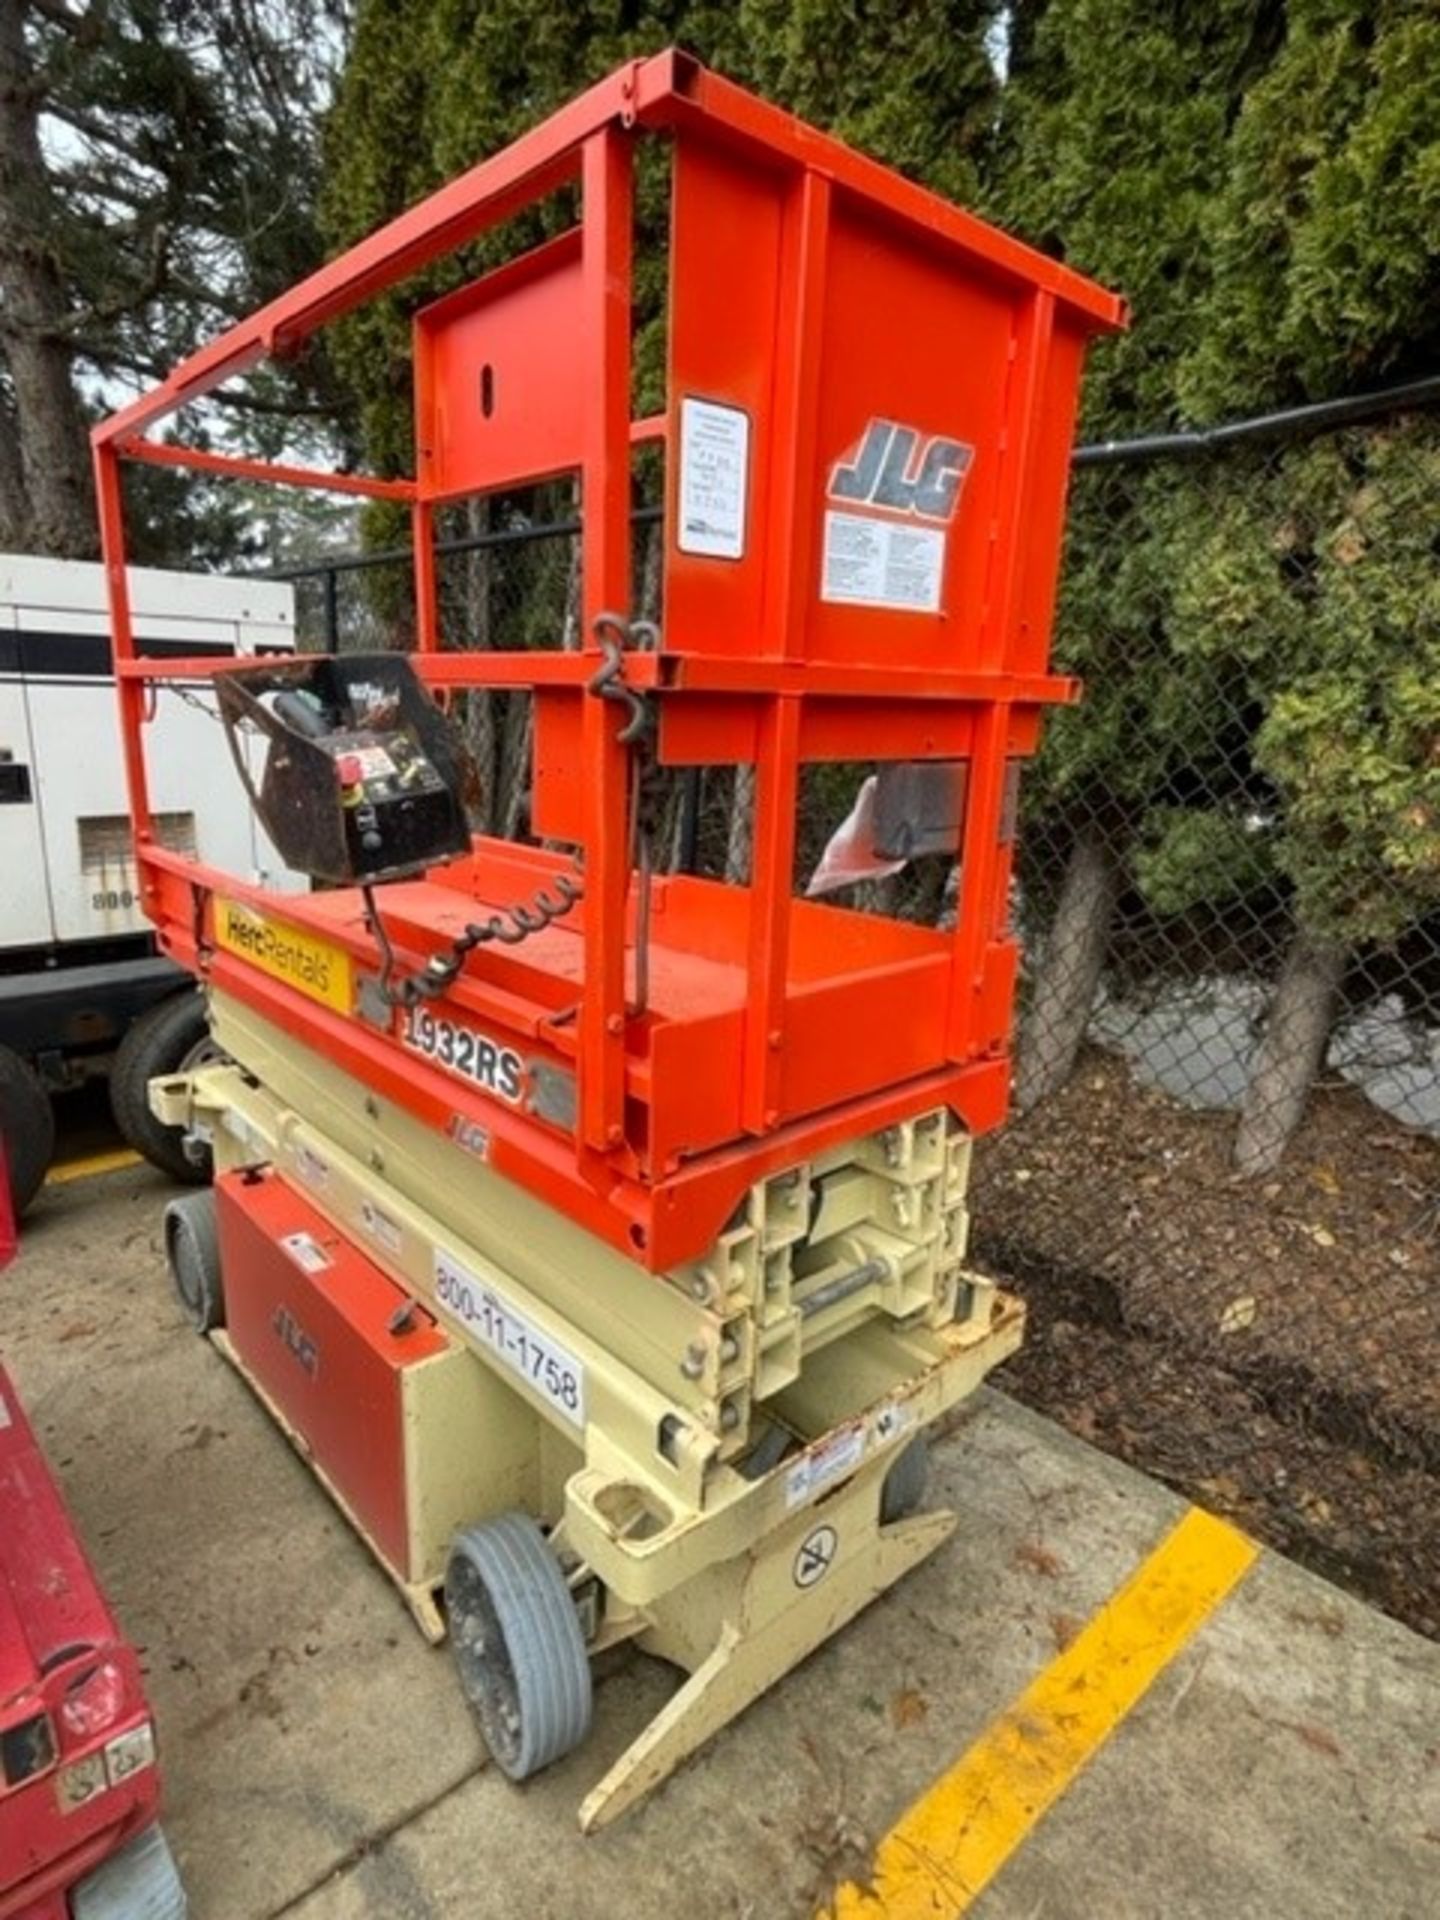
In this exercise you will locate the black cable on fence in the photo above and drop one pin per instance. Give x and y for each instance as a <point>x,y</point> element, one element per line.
<point>1283,423</point>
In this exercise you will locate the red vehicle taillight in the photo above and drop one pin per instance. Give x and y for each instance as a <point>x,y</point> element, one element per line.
<point>93,1701</point>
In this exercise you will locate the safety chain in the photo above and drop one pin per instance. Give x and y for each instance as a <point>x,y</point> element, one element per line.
<point>615,633</point>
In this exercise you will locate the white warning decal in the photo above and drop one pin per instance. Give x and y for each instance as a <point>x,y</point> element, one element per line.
<point>877,550</point>
<point>714,479</point>
<point>871,562</point>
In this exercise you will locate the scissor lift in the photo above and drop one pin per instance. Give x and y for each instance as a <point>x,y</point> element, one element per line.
<point>609,1277</point>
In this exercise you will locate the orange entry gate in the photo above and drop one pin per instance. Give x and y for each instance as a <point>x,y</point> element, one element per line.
<point>866,435</point>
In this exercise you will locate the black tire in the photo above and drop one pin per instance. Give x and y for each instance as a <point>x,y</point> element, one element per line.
<point>517,1643</point>
<point>27,1125</point>
<point>170,1037</point>
<point>905,1483</point>
<point>192,1248</point>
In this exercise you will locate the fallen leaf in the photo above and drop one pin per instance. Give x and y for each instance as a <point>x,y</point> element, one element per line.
<point>1064,1626</point>
<point>1037,1559</point>
<point>1320,1738</point>
<point>1238,1314</point>
<point>1222,1488</point>
<point>1322,1236</point>
<point>908,1708</point>
<point>1326,1178</point>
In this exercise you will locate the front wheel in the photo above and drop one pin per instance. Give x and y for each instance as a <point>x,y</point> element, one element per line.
<point>169,1038</point>
<point>904,1485</point>
<point>517,1643</point>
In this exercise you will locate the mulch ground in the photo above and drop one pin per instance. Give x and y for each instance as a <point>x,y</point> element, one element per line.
<point>1268,1346</point>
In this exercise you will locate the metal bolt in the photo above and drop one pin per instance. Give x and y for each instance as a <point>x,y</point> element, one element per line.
<point>729,1417</point>
<point>693,1365</point>
<point>372,1106</point>
<point>377,1160</point>
<point>729,1348</point>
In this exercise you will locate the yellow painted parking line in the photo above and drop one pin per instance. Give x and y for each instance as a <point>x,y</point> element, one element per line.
<point>941,1853</point>
<point>91,1164</point>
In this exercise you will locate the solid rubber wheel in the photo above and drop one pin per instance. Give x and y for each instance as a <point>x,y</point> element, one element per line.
<point>517,1643</point>
<point>27,1126</point>
<point>193,1249</point>
<point>171,1037</point>
<point>904,1485</point>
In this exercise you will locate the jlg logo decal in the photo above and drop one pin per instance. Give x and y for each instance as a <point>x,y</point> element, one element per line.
<point>903,469</point>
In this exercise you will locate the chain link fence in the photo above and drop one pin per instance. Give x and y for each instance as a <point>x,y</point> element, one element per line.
<point>1220,1192</point>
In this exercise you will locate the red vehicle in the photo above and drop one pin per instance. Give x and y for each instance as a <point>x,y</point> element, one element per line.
<point>79,1790</point>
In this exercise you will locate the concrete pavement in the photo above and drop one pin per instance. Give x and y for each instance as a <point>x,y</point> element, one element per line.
<point>320,1763</point>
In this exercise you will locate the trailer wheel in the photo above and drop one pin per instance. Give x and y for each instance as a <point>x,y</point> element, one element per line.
<point>171,1037</point>
<point>193,1249</point>
<point>904,1485</point>
<point>518,1645</point>
<point>27,1126</point>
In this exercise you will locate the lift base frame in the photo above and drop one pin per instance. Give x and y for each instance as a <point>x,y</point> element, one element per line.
<point>735,1584</point>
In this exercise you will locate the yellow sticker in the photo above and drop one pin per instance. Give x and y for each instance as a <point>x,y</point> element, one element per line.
<point>309,965</point>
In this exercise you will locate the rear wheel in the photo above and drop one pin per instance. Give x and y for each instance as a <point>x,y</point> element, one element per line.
<point>904,1485</point>
<point>169,1038</point>
<point>192,1247</point>
<point>517,1643</point>
<point>27,1126</point>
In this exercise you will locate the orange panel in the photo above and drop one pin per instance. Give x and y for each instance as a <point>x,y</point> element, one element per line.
<point>499,387</point>
<point>724,284</point>
<point>558,767</point>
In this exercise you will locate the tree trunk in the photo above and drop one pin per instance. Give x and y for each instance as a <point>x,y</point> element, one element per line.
<point>54,455</point>
<point>481,720</point>
<point>1069,974</point>
<point>15,535</point>
<point>1292,1051</point>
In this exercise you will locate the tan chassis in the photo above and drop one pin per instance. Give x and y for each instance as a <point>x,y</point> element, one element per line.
<point>698,1564</point>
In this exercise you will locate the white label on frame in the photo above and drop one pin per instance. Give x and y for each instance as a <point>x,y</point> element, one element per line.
<point>714,479</point>
<point>513,1338</point>
<point>871,562</point>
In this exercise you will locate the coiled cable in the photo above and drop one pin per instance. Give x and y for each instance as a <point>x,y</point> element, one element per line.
<point>507,928</point>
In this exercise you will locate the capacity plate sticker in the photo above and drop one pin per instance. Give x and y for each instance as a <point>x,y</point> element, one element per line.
<point>882,563</point>
<point>473,1056</point>
<point>714,478</point>
<point>543,1364</point>
<point>311,966</point>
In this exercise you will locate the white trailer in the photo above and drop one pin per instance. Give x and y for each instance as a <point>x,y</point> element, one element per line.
<point>82,989</point>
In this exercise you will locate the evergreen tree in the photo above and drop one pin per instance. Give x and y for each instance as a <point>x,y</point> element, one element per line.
<point>1317,581</point>
<point>432,86</point>
<point>1112,145</point>
<point>157,175</point>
